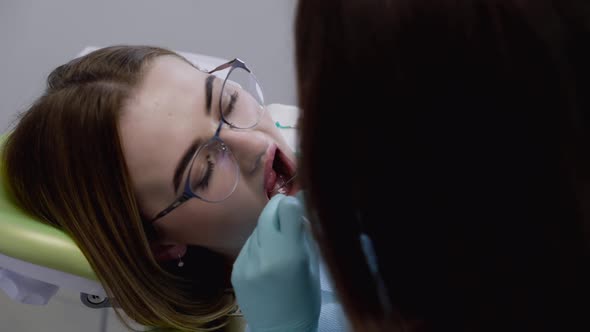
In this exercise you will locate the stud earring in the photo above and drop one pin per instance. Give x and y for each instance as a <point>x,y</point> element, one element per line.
<point>180,262</point>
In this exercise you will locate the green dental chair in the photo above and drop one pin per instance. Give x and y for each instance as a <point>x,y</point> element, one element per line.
<point>34,250</point>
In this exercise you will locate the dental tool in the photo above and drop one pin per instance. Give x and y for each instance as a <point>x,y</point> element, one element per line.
<point>280,185</point>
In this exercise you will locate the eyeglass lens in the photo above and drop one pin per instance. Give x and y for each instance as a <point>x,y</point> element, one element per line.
<point>214,172</point>
<point>242,103</point>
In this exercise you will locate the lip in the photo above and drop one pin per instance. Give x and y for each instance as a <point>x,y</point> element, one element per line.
<point>270,177</point>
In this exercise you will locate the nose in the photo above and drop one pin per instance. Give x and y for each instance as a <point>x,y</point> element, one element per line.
<point>247,146</point>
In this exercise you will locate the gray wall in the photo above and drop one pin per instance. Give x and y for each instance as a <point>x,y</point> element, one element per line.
<point>38,35</point>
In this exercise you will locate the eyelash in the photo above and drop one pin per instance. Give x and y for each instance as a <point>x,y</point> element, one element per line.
<point>205,181</point>
<point>232,103</point>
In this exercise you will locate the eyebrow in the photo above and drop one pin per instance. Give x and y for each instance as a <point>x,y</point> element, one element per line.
<point>209,92</point>
<point>183,163</point>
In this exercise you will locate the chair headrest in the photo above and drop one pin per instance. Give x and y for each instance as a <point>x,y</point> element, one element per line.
<point>29,239</point>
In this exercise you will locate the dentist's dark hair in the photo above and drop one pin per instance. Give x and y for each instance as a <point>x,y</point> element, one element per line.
<point>455,133</point>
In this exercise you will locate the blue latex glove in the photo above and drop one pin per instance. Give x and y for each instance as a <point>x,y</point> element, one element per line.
<point>276,274</point>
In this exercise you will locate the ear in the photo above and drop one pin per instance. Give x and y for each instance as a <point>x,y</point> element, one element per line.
<point>168,252</point>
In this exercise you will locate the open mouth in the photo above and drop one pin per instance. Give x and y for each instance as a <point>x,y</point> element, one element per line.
<point>279,175</point>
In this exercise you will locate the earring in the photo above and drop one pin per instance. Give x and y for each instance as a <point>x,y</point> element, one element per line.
<point>180,262</point>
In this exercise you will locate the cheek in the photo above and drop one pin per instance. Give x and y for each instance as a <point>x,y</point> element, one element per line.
<point>243,208</point>
<point>220,225</point>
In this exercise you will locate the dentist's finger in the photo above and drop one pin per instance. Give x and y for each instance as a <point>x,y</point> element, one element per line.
<point>268,221</point>
<point>291,217</point>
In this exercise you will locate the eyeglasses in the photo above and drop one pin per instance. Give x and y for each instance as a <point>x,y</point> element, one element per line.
<point>213,171</point>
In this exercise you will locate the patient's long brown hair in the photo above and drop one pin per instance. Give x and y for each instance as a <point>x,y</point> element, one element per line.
<point>65,165</point>
<point>456,134</point>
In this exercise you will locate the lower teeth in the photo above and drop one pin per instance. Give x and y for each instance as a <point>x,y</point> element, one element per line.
<point>280,185</point>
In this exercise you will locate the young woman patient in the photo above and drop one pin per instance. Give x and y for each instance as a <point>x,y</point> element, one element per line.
<point>157,170</point>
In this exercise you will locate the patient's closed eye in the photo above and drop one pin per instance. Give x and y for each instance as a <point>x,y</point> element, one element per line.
<point>231,104</point>
<point>201,172</point>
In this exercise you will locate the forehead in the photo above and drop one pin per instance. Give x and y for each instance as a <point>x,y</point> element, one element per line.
<point>169,100</point>
<point>169,72</point>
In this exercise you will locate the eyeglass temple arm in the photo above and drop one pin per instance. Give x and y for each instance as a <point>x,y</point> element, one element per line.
<point>236,62</point>
<point>222,67</point>
<point>172,206</point>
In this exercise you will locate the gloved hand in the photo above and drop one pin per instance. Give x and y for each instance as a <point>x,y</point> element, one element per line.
<point>276,274</point>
